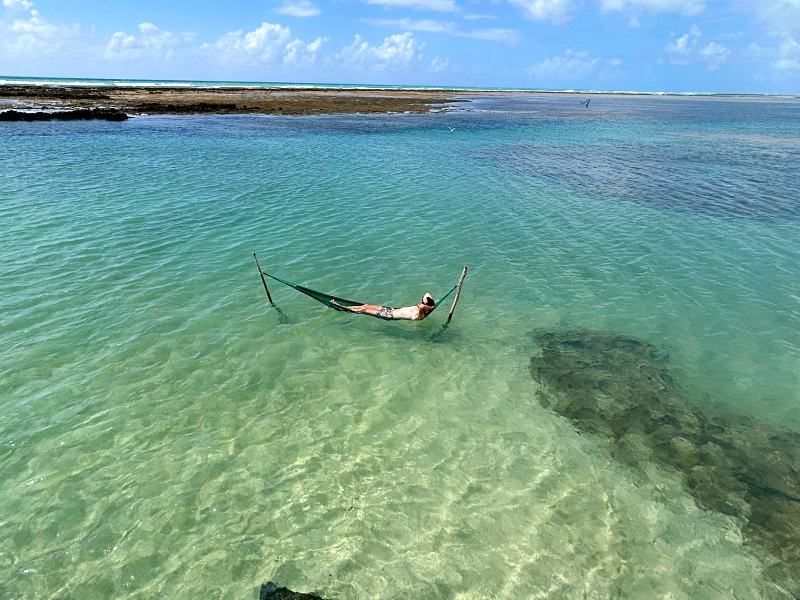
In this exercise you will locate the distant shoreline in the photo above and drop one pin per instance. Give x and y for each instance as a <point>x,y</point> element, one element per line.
<point>229,100</point>
<point>195,98</point>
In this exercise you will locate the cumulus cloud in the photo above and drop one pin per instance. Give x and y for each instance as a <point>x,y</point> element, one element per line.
<point>396,51</point>
<point>24,32</point>
<point>681,7</point>
<point>681,48</point>
<point>496,34</point>
<point>714,54</point>
<point>35,24</point>
<point>555,11</point>
<point>18,4</point>
<point>781,19</point>
<point>298,53</point>
<point>34,35</point>
<point>300,8</point>
<point>784,57</point>
<point>270,43</point>
<point>428,5</point>
<point>688,48</point>
<point>149,43</point>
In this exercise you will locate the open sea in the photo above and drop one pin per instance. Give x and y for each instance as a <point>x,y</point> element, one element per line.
<point>614,411</point>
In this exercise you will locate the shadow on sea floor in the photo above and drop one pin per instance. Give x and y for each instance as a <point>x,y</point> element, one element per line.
<point>620,388</point>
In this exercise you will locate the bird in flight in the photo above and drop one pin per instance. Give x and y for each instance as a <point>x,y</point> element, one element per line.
<point>586,102</point>
<point>452,129</point>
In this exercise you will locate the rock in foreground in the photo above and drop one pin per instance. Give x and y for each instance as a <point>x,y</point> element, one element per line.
<point>82,114</point>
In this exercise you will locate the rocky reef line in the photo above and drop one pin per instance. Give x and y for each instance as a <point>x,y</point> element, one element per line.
<point>81,114</point>
<point>620,388</point>
<point>229,100</point>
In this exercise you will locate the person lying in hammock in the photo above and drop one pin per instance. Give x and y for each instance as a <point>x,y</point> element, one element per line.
<point>411,313</point>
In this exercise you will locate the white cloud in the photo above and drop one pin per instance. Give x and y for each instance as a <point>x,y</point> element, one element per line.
<point>150,43</point>
<point>478,17</point>
<point>439,64</point>
<point>429,5</point>
<point>714,54</point>
<point>270,43</point>
<point>574,68</point>
<point>780,16</point>
<point>687,48</point>
<point>682,47</point>
<point>265,44</point>
<point>504,36</point>
<point>18,4</point>
<point>555,11</point>
<point>35,24</point>
<point>300,8</point>
<point>493,34</point>
<point>788,55</point>
<point>782,58</point>
<point>427,25</point>
<point>396,51</point>
<point>34,35</point>
<point>298,53</point>
<point>681,7</point>
<point>569,65</point>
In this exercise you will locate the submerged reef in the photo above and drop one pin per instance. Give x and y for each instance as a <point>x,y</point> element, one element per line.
<point>620,388</point>
<point>669,173</point>
<point>269,591</point>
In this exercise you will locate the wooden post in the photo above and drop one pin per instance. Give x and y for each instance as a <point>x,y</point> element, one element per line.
<point>458,295</point>
<point>263,279</point>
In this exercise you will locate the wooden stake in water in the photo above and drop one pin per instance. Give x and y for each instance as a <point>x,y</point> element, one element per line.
<point>263,279</point>
<point>458,295</point>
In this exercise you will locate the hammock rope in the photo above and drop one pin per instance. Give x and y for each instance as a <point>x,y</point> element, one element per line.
<point>342,303</point>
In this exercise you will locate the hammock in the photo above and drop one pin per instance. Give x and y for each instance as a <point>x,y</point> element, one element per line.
<point>341,302</point>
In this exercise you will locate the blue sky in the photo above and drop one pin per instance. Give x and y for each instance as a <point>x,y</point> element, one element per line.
<point>646,45</point>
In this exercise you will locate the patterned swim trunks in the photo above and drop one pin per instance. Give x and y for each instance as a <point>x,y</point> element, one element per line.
<point>386,312</point>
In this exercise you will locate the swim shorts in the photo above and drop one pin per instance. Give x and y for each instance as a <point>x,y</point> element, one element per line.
<point>386,312</point>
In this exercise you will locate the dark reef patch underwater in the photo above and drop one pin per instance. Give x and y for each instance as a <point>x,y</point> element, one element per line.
<point>620,388</point>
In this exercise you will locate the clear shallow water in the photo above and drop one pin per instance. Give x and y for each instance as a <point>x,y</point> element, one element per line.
<point>163,433</point>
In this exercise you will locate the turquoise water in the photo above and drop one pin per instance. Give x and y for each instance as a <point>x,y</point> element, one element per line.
<point>164,433</point>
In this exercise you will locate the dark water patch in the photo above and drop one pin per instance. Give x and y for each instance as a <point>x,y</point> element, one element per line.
<point>712,177</point>
<point>717,157</point>
<point>620,387</point>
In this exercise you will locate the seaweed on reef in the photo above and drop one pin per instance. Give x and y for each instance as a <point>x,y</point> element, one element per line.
<point>620,387</point>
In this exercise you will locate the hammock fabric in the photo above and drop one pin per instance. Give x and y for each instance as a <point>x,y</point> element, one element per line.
<point>342,302</point>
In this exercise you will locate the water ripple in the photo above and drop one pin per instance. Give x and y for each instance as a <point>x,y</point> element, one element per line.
<point>163,429</point>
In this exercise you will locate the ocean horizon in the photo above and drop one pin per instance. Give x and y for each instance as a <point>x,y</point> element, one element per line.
<point>155,83</point>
